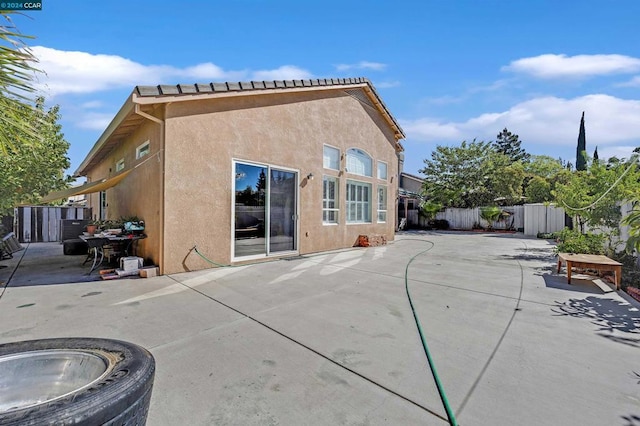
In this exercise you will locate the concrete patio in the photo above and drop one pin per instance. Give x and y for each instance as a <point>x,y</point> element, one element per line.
<point>330,339</point>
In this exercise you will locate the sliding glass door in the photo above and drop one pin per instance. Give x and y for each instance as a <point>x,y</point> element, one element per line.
<point>282,211</point>
<point>265,207</point>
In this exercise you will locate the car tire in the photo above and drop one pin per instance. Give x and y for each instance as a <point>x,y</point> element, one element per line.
<point>118,393</point>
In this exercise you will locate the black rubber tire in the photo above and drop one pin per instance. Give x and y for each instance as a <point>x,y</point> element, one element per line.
<point>121,398</point>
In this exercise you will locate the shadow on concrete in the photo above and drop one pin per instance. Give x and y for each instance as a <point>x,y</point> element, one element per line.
<point>607,315</point>
<point>631,420</point>
<point>533,254</point>
<point>45,264</point>
<point>581,283</point>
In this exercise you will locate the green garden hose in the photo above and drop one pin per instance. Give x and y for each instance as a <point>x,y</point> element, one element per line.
<point>443,396</point>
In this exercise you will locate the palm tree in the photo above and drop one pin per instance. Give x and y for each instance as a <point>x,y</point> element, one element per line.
<point>17,73</point>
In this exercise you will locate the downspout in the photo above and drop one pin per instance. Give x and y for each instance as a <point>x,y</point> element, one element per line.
<point>162,201</point>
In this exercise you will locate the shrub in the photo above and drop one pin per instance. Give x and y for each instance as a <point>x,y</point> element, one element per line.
<point>573,241</point>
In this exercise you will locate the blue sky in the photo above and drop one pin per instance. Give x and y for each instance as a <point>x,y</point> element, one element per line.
<point>447,70</point>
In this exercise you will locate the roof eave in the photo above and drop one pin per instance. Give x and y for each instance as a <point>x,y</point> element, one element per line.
<point>180,93</point>
<point>122,114</point>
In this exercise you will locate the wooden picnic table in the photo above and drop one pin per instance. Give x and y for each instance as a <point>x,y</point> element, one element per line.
<point>590,261</point>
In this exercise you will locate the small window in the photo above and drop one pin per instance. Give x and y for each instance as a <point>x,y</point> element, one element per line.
<point>329,199</point>
<point>359,162</point>
<point>142,150</point>
<point>103,205</point>
<point>382,203</point>
<point>331,158</point>
<point>358,207</point>
<point>120,165</point>
<point>382,170</point>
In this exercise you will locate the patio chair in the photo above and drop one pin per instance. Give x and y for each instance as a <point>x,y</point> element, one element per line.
<point>9,245</point>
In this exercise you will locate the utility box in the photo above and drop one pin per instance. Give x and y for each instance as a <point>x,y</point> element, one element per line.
<point>131,263</point>
<point>71,228</point>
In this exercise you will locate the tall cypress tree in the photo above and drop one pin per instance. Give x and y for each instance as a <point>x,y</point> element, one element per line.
<point>581,150</point>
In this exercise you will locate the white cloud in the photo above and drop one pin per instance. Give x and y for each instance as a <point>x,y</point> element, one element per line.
<point>387,84</point>
<point>542,121</point>
<point>622,151</point>
<point>431,130</point>
<point>561,66</point>
<point>92,104</point>
<point>93,120</point>
<point>206,71</point>
<point>362,65</point>
<point>634,82</point>
<point>285,72</point>
<point>82,72</point>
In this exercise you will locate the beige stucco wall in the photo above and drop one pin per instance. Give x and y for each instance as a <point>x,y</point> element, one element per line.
<point>139,194</point>
<point>282,130</point>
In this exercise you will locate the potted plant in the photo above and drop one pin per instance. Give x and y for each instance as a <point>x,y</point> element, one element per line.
<point>92,226</point>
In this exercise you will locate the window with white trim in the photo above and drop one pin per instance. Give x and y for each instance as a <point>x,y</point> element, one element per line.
<point>382,170</point>
<point>382,203</point>
<point>331,158</point>
<point>120,165</point>
<point>358,202</point>
<point>359,162</point>
<point>142,150</point>
<point>329,199</point>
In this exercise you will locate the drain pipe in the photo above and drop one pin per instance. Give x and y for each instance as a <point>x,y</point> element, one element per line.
<point>161,122</point>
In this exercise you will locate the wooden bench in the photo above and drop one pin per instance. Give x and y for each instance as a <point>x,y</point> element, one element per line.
<point>590,261</point>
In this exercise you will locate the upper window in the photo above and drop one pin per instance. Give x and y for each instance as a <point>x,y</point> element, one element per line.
<point>382,203</point>
<point>120,165</point>
<point>331,158</point>
<point>358,162</point>
<point>382,170</point>
<point>329,199</point>
<point>103,205</point>
<point>142,150</point>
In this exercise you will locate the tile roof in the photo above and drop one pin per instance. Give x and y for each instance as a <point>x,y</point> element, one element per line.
<point>179,89</point>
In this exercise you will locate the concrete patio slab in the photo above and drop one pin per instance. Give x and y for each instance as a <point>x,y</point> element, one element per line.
<point>330,339</point>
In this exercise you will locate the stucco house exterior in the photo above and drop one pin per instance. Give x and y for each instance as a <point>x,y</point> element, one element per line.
<point>248,171</point>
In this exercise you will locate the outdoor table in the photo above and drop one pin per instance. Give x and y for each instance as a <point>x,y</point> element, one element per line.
<point>593,261</point>
<point>97,243</point>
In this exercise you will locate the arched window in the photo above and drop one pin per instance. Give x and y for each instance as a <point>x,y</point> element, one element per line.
<point>359,162</point>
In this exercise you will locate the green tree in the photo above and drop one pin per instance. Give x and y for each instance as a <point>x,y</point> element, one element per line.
<point>594,196</point>
<point>470,175</point>
<point>541,172</point>
<point>17,73</point>
<point>543,166</point>
<point>538,190</point>
<point>509,144</point>
<point>581,149</point>
<point>29,171</point>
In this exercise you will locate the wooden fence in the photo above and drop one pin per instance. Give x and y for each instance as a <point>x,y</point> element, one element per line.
<point>43,224</point>
<point>469,218</point>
